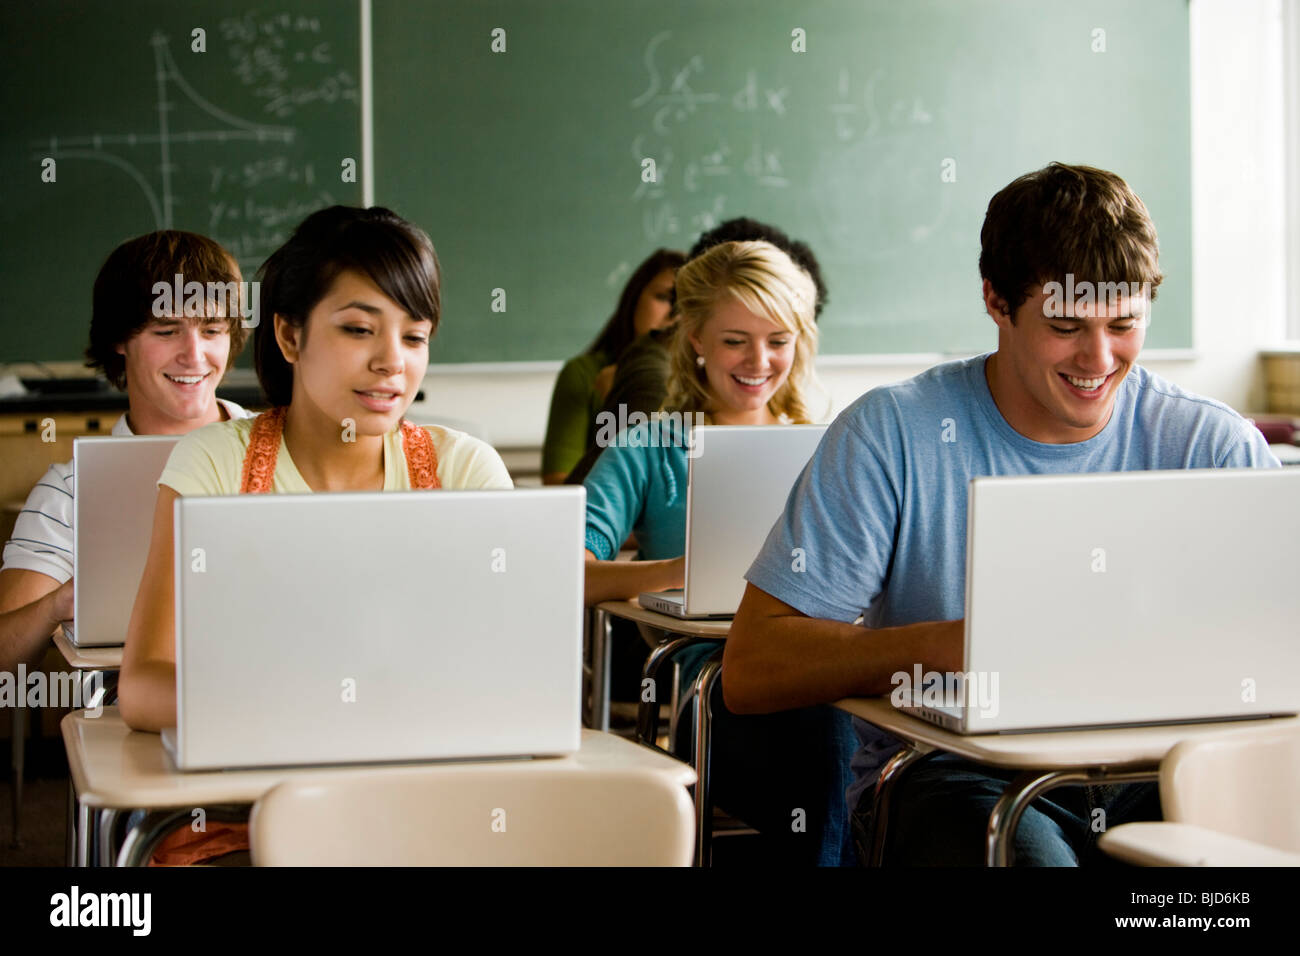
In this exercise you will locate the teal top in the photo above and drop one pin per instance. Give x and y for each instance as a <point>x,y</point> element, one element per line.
<point>639,484</point>
<point>574,405</point>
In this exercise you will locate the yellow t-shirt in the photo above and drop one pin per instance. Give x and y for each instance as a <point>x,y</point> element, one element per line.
<point>209,461</point>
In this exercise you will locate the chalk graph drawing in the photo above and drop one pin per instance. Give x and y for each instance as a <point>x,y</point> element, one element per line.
<point>228,128</point>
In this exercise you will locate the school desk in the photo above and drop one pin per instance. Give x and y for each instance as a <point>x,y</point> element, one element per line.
<point>105,661</point>
<point>1046,761</point>
<point>115,769</point>
<point>687,632</point>
<point>90,661</point>
<point>679,633</point>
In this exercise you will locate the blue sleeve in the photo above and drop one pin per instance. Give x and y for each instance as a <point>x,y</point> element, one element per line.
<point>616,491</point>
<point>1250,451</point>
<point>829,553</point>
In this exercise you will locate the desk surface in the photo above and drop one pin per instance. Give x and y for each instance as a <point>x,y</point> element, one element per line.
<point>114,766</point>
<point>1055,750</point>
<point>633,611</point>
<point>88,658</point>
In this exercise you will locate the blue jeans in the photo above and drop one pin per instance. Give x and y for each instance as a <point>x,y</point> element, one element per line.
<point>941,812</point>
<point>784,774</point>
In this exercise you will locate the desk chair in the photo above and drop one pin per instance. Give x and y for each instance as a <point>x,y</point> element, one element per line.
<point>496,814</point>
<point>1229,800</point>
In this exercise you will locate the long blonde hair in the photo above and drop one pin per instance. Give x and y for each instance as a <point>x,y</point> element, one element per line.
<point>766,282</point>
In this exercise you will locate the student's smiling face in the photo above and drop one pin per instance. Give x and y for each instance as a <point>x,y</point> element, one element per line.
<point>359,356</point>
<point>1055,379</point>
<point>747,358</point>
<point>173,366</point>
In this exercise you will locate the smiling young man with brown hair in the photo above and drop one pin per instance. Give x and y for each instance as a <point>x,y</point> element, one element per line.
<point>863,575</point>
<point>169,365</point>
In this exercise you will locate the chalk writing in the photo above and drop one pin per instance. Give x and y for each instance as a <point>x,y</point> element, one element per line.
<point>251,190</point>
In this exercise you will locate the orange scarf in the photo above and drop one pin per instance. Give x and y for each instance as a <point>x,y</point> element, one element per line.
<point>264,448</point>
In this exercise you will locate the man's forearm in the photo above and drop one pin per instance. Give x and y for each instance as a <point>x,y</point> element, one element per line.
<point>25,632</point>
<point>784,662</point>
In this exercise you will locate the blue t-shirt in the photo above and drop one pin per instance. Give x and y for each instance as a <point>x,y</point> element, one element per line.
<point>639,484</point>
<point>880,510</point>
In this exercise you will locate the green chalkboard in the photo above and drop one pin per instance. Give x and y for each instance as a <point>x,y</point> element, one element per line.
<point>526,165</point>
<point>239,141</point>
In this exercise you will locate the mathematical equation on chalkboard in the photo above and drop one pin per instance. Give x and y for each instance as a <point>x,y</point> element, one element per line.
<point>241,161</point>
<point>689,187</point>
<point>255,224</point>
<point>269,54</point>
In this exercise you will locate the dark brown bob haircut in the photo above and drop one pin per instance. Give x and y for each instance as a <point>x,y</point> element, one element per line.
<point>123,299</point>
<point>394,254</point>
<point>620,329</point>
<point>1063,220</point>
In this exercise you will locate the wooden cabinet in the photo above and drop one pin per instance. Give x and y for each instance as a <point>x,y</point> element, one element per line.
<point>30,442</point>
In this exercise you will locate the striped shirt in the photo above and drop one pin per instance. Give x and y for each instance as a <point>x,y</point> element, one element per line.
<point>43,532</point>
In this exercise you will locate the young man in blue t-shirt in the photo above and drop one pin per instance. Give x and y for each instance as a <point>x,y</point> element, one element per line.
<point>864,574</point>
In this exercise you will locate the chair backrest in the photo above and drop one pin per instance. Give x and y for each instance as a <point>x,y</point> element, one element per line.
<point>499,814</point>
<point>1245,783</point>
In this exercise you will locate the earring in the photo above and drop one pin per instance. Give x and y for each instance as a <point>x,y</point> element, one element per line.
<point>699,360</point>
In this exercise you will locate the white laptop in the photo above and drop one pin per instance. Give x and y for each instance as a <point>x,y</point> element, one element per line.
<point>366,627</point>
<point>738,480</point>
<point>116,494</point>
<point>1132,598</point>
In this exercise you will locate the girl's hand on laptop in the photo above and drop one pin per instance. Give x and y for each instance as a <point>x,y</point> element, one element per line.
<point>624,580</point>
<point>676,572</point>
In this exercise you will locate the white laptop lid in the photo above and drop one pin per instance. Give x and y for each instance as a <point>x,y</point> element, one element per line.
<point>353,627</point>
<point>739,479</point>
<point>1138,597</point>
<point>116,494</point>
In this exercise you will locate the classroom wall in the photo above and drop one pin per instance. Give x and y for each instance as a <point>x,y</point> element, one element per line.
<point>1238,242</point>
<point>1238,185</point>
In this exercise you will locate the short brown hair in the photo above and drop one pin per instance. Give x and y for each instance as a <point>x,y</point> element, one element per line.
<point>1067,219</point>
<point>123,298</point>
<point>376,242</point>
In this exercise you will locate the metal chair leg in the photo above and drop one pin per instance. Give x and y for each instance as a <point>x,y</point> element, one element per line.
<point>85,827</point>
<point>1027,787</point>
<point>890,774</point>
<point>647,715</point>
<point>143,838</point>
<point>72,825</point>
<point>105,826</point>
<point>704,682</point>
<point>16,759</point>
<point>674,702</point>
<point>601,638</point>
